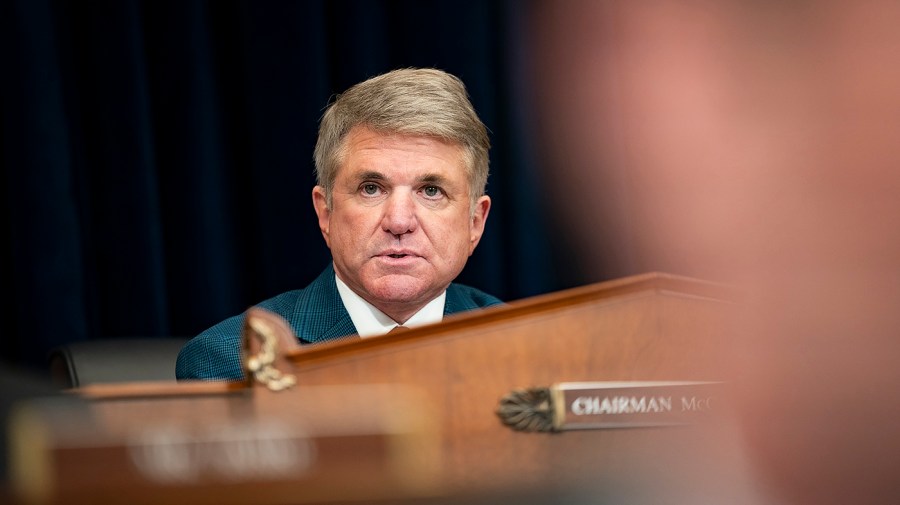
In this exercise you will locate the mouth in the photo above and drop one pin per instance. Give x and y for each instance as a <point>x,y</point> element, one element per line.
<point>398,255</point>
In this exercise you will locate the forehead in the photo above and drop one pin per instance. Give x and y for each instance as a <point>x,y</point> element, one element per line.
<point>366,150</point>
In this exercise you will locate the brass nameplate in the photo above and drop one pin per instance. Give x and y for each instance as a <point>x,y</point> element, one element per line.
<point>602,405</point>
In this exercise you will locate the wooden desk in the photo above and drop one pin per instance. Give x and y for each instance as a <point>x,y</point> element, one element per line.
<point>404,418</point>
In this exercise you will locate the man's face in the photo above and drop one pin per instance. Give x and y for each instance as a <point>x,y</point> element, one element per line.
<point>400,227</point>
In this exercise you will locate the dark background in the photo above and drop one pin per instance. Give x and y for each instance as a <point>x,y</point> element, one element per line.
<point>156,160</point>
<point>157,155</point>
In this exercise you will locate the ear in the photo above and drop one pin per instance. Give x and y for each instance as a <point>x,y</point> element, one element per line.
<point>479,218</point>
<point>324,213</point>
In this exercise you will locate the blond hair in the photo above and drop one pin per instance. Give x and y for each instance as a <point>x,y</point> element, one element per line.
<point>411,101</point>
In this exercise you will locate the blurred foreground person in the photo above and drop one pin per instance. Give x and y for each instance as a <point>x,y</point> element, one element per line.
<point>756,144</point>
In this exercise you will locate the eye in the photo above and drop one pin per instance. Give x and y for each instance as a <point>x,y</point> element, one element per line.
<point>432,191</point>
<point>369,189</point>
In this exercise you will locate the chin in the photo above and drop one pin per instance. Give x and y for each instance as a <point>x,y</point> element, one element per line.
<point>398,291</point>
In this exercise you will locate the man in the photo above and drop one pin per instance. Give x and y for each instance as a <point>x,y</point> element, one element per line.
<point>401,167</point>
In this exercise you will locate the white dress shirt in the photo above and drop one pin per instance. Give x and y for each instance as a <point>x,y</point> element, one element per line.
<point>371,322</point>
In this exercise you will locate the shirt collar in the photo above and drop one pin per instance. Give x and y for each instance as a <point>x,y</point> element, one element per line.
<point>371,322</point>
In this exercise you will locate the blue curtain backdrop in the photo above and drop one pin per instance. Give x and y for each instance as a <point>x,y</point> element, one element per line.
<point>157,155</point>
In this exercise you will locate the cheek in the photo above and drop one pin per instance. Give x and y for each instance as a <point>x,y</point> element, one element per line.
<point>350,237</point>
<point>454,241</point>
<point>355,223</point>
<point>346,234</point>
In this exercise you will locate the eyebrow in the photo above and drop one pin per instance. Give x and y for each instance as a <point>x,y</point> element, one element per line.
<point>433,179</point>
<point>371,175</point>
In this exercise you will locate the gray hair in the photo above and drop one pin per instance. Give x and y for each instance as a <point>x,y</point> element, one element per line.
<point>411,101</point>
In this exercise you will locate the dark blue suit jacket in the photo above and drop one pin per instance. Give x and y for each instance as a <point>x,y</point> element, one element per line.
<point>316,314</point>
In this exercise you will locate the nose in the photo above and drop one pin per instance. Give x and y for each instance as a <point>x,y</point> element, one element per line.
<point>399,213</point>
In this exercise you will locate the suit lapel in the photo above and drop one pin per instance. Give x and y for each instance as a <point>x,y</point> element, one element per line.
<point>319,314</point>
<point>456,302</point>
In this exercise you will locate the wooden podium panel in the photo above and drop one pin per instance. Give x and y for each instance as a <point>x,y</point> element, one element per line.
<point>409,418</point>
<point>222,443</point>
<point>653,327</point>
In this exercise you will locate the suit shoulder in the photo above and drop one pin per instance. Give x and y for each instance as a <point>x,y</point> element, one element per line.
<point>213,354</point>
<point>463,297</point>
